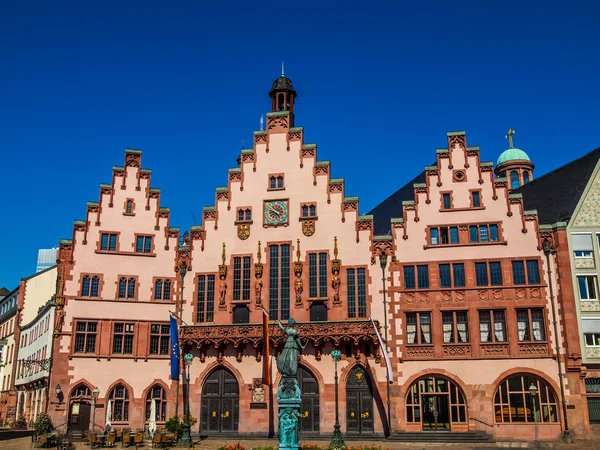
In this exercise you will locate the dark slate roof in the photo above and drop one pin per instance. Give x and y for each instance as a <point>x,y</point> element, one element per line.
<point>391,207</point>
<point>282,84</point>
<point>4,292</point>
<point>556,194</point>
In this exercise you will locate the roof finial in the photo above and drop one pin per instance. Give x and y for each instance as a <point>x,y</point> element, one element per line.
<point>242,144</point>
<point>509,136</point>
<point>223,255</point>
<point>335,248</point>
<point>258,253</point>
<point>298,254</point>
<point>282,69</point>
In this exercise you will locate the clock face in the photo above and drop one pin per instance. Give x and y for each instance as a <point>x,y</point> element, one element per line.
<point>276,212</point>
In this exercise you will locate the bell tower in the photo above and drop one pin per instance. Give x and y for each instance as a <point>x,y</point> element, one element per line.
<point>282,94</point>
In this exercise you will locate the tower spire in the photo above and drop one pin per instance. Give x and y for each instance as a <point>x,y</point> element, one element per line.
<point>282,69</point>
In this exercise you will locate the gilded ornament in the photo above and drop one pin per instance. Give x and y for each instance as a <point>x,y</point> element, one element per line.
<point>258,272</point>
<point>308,227</point>
<point>336,266</point>
<point>243,231</point>
<point>223,278</point>
<point>298,286</point>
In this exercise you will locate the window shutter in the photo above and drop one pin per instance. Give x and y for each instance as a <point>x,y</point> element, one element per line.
<point>582,242</point>
<point>590,325</point>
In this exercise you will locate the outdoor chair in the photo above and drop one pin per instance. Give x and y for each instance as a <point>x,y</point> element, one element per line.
<point>110,440</point>
<point>138,440</point>
<point>126,439</point>
<point>156,440</point>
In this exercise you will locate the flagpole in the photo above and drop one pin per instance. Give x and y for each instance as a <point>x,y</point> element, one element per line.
<point>182,272</point>
<point>383,264</point>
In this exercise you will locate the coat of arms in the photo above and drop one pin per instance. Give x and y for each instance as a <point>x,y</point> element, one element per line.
<point>243,231</point>
<point>308,227</point>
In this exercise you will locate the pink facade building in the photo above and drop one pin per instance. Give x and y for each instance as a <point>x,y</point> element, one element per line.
<point>465,307</point>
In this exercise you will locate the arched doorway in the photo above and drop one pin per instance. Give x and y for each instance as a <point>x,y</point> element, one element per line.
<point>436,403</point>
<point>309,413</point>
<point>79,409</point>
<point>359,402</point>
<point>220,403</point>
<point>513,402</point>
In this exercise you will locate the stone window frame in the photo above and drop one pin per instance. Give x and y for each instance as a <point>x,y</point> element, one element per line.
<point>276,177</point>
<point>152,244</point>
<point>587,275</point>
<point>173,291</point>
<point>100,277</point>
<point>128,279</point>
<point>126,207</point>
<point>308,205</point>
<point>99,243</point>
<point>244,210</point>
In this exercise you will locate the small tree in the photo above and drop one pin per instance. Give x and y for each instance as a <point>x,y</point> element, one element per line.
<point>43,424</point>
<point>174,425</point>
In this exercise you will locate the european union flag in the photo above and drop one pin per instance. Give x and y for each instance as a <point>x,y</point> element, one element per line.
<point>175,352</point>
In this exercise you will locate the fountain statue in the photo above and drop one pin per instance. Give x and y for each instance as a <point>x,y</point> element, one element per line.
<point>288,393</point>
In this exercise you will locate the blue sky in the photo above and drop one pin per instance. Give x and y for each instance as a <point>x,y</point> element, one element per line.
<point>379,84</point>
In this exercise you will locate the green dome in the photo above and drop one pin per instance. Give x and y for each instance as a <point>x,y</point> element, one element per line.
<point>512,154</point>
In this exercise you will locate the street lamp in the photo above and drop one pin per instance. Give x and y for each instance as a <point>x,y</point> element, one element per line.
<point>547,247</point>
<point>383,264</point>
<point>95,395</point>
<point>186,438</point>
<point>182,272</point>
<point>533,390</point>
<point>337,442</point>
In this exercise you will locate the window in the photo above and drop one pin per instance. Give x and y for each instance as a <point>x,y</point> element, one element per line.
<point>143,244</point>
<point>487,274</point>
<point>357,292</point>
<point>420,396</point>
<point>492,326</point>
<point>525,177</point>
<point>205,311</point>
<point>446,201</point>
<point>409,277</point>
<point>533,272</point>
<point>162,289</point>
<point>129,207</point>
<point>317,275</point>
<point>276,182</point>
<point>85,337</point>
<point>81,390</point>
<point>514,179</point>
<point>120,404</point>
<point>588,287</point>
<point>309,211</point>
<point>455,278</point>
<point>418,328</point>
<point>241,278</point>
<point>476,199</point>
<point>483,233</point>
<point>158,394</point>
<point>159,339</point>
<point>443,235</point>
<point>513,401</point>
<point>123,338</point>
<point>592,339</point>
<point>90,286</point>
<point>583,254</point>
<point>108,242</point>
<point>126,287</point>
<point>241,314</point>
<point>423,277</point>
<point>244,215</point>
<point>530,325</point>
<point>318,312</point>
<point>455,327</point>
<point>279,282</point>
<point>592,389</point>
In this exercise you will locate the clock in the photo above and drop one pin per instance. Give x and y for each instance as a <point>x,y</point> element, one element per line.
<point>276,212</point>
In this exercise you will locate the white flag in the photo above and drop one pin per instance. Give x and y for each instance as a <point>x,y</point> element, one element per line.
<point>385,353</point>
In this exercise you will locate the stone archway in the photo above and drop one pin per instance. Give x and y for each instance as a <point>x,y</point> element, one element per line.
<point>359,402</point>
<point>220,403</point>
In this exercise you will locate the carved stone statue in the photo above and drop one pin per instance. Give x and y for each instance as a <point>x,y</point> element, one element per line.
<point>299,290</point>
<point>222,291</point>
<point>258,395</point>
<point>287,362</point>
<point>258,290</point>
<point>335,284</point>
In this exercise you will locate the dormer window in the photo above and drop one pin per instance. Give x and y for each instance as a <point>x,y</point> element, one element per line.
<point>276,181</point>
<point>129,207</point>
<point>244,214</point>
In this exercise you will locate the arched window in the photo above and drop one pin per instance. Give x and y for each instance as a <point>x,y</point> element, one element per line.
<point>120,404</point>
<point>513,401</point>
<point>305,211</point>
<point>273,183</point>
<point>129,207</point>
<point>81,390</point>
<point>240,215</point>
<point>85,286</point>
<point>514,179</point>
<point>592,390</point>
<point>131,288</point>
<point>95,286</point>
<point>525,177</point>
<point>167,290</point>
<point>313,210</point>
<point>160,398</point>
<point>435,402</point>
<point>122,287</point>
<point>158,286</point>
<point>248,214</point>
<point>279,182</point>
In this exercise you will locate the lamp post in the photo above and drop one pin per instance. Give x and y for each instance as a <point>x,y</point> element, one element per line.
<point>337,442</point>
<point>95,395</point>
<point>383,264</point>
<point>567,433</point>
<point>533,390</point>
<point>186,438</point>
<point>182,272</point>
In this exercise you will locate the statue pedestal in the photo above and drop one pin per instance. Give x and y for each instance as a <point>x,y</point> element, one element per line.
<point>288,398</point>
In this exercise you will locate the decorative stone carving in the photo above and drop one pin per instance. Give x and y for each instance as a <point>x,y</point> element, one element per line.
<point>589,213</point>
<point>336,266</point>
<point>419,351</point>
<point>258,272</point>
<point>298,266</point>
<point>459,296</point>
<point>584,263</point>
<point>243,231</point>
<point>308,227</point>
<point>278,122</point>
<point>494,349</point>
<point>223,278</point>
<point>592,352</point>
<point>258,395</point>
<point>533,349</point>
<point>589,306</point>
<point>456,350</point>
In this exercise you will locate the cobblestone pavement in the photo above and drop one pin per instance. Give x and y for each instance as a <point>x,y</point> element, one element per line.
<point>25,444</point>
